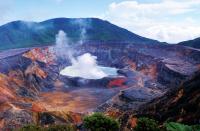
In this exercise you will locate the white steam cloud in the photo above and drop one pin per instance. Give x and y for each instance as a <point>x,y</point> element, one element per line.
<point>84,25</point>
<point>62,47</point>
<point>84,66</point>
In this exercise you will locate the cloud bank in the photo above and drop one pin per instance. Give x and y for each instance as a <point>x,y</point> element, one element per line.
<point>165,20</point>
<point>168,21</point>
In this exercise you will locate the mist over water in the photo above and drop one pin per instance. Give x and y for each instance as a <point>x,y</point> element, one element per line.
<point>84,66</point>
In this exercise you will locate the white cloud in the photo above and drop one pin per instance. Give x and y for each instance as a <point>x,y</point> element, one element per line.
<point>169,20</point>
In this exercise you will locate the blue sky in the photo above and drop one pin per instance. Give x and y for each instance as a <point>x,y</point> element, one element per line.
<point>165,20</point>
<point>38,10</point>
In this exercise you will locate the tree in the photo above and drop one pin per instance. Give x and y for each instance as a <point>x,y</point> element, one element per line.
<point>146,124</point>
<point>100,122</point>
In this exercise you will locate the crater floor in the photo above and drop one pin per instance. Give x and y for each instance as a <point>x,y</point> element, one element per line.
<point>80,100</point>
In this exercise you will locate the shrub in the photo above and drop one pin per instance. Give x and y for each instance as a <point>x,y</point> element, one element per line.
<point>196,128</point>
<point>61,128</point>
<point>146,124</point>
<point>50,128</point>
<point>31,128</point>
<point>100,122</point>
<point>173,126</point>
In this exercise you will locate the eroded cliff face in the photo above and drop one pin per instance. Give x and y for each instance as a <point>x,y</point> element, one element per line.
<point>20,86</point>
<point>32,90</point>
<point>178,105</point>
<point>181,104</point>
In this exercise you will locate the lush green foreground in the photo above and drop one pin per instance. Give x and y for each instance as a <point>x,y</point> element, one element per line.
<point>146,124</point>
<point>100,122</point>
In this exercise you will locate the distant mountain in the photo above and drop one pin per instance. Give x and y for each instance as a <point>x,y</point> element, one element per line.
<point>20,34</point>
<point>192,43</point>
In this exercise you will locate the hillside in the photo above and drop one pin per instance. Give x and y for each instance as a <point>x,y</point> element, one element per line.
<point>20,34</point>
<point>192,43</point>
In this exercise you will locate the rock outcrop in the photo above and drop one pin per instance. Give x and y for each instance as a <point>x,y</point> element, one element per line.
<point>181,104</point>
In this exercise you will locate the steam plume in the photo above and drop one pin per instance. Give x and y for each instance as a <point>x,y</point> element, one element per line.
<point>84,66</point>
<point>62,48</point>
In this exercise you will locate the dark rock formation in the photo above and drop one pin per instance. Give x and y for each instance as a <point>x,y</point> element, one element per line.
<point>179,104</point>
<point>191,43</point>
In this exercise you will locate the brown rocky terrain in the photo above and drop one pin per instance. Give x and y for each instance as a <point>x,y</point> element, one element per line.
<point>33,91</point>
<point>179,104</point>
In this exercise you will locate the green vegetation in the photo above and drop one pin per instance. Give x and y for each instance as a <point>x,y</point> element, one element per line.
<point>61,128</point>
<point>172,126</point>
<point>50,128</point>
<point>100,122</point>
<point>146,124</point>
<point>31,128</point>
<point>20,34</point>
<point>95,122</point>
